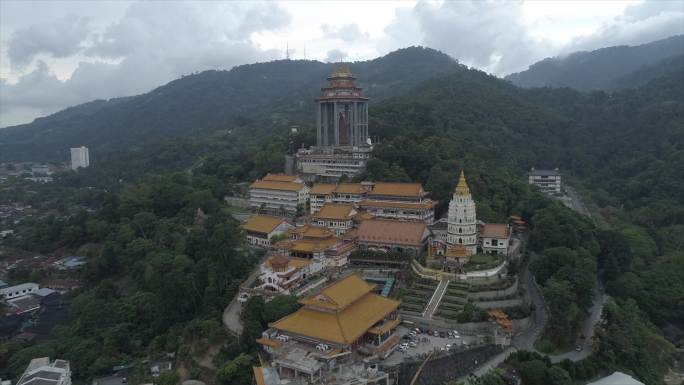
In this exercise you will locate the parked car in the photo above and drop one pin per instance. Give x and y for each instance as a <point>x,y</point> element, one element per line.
<point>578,348</point>
<point>435,333</point>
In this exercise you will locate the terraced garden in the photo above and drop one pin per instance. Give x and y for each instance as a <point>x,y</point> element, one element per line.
<point>453,301</point>
<point>418,294</point>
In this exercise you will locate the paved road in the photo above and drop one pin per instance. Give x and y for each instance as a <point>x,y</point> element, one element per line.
<point>231,314</point>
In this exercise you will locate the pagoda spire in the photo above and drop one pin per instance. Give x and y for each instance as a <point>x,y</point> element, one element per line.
<point>462,187</point>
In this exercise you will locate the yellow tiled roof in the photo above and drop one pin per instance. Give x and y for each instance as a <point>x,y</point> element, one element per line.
<point>312,245</point>
<point>322,189</point>
<point>400,205</point>
<point>277,185</point>
<point>350,188</point>
<point>386,327</point>
<point>340,294</point>
<point>342,327</point>
<point>294,262</point>
<point>280,177</point>
<point>262,223</point>
<point>335,211</point>
<point>398,189</point>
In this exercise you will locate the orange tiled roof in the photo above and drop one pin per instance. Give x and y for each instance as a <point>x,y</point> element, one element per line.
<point>457,251</point>
<point>495,230</point>
<point>262,223</point>
<point>398,189</point>
<point>350,188</point>
<point>277,185</point>
<point>308,245</point>
<point>335,211</point>
<point>400,205</point>
<point>311,231</point>
<point>392,232</point>
<point>280,177</point>
<point>322,189</point>
<point>269,342</point>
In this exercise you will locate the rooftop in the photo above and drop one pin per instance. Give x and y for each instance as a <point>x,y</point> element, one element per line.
<point>281,178</point>
<point>392,232</point>
<point>311,231</point>
<point>535,172</point>
<point>277,185</point>
<point>262,223</point>
<point>362,310</point>
<point>281,261</point>
<point>340,294</point>
<point>495,230</point>
<point>398,189</point>
<point>20,287</point>
<point>322,189</point>
<point>335,211</point>
<point>400,205</point>
<point>350,188</point>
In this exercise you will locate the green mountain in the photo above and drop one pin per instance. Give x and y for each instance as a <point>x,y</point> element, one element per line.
<point>279,92</point>
<point>600,69</point>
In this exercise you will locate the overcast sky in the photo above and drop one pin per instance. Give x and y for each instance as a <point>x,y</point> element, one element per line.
<point>56,54</point>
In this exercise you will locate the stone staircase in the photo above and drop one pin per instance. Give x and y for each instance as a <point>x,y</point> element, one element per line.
<point>435,299</point>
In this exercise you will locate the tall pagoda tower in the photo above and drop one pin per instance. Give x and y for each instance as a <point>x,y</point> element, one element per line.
<point>342,116</point>
<point>461,219</point>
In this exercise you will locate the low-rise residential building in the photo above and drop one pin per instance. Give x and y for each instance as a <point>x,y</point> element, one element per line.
<point>17,291</point>
<point>261,229</point>
<point>337,217</point>
<point>278,194</point>
<point>41,371</point>
<point>495,238</point>
<point>390,235</point>
<point>322,339</point>
<point>548,181</point>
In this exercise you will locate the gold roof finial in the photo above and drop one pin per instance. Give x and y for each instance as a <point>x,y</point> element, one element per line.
<point>462,187</point>
<point>342,71</point>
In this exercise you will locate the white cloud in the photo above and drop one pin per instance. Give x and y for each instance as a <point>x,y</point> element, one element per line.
<point>153,43</point>
<point>117,48</point>
<point>60,38</point>
<point>347,32</point>
<point>336,55</point>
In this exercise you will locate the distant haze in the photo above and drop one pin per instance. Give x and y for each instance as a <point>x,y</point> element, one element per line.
<point>62,53</point>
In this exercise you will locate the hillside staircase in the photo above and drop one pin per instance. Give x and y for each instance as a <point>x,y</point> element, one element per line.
<point>435,299</point>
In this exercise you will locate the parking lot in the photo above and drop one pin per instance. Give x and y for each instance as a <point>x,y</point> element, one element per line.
<point>423,343</point>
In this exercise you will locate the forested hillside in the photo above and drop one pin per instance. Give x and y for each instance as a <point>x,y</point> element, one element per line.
<point>601,69</point>
<point>625,148</point>
<point>275,93</point>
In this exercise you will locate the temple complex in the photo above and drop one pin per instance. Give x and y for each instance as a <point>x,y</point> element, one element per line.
<point>342,142</point>
<point>344,319</point>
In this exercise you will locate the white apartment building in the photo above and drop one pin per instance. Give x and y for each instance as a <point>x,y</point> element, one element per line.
<point>549,181</point>
<point>40,371</point>
<point>277,195</point>
<point>17,291</point>
<point>79,157</point>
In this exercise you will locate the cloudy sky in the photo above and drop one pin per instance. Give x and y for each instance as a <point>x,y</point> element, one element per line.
<point>55,54</point>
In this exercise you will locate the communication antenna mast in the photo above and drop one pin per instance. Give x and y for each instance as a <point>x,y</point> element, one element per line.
<point>304,51</point>
<point>287,50</point>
